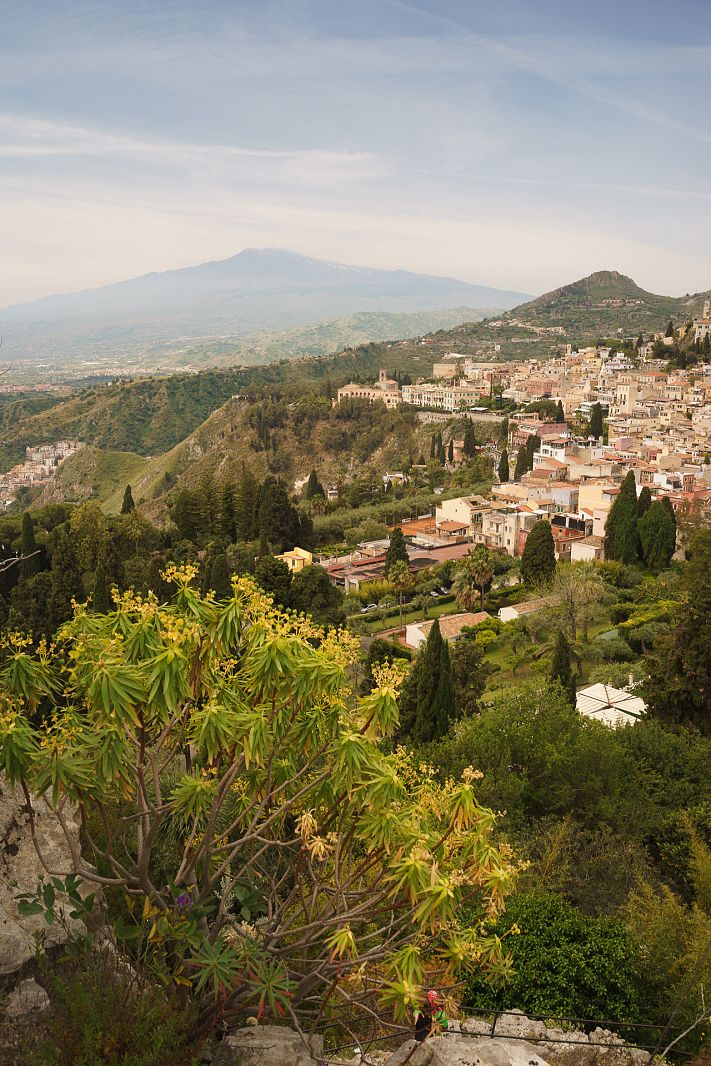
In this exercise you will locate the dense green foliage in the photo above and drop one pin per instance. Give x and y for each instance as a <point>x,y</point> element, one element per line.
<point>679,686</point>
<point>565,964</point>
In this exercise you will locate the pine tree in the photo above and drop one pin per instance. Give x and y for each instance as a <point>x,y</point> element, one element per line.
<point>657,534</point>
<point>561,669</point>
<point>225,524</point>
<point>186,514</point>
<point>596,423</point>
<point>28,547</point>
<point>397,550</point>
<point>450,450</point>
<point>128,505</point>
<point>504,467</point>
<point>644,501</point>
<point>621,526</point>
<point>538,556</point>
<point>559,412</point>
<point>245,504</point>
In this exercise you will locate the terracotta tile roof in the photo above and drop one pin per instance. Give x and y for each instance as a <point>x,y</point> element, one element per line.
<point>451,625</point>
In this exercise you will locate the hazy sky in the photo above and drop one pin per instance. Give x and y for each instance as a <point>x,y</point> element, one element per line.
<point>517,143</point>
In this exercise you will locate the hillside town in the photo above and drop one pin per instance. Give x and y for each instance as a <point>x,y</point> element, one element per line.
<point>40,466</point>
<point>581,421</point>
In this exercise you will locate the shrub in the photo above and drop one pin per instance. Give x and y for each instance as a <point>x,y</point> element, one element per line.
<point>565,964</point>
<point>103,1012</point>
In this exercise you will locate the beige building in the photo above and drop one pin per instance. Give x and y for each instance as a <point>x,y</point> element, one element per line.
<point>464,511</point>
<point>296,559</point>
<point>385,389</point>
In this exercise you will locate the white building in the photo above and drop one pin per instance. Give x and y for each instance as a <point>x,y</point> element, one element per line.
<point>613,707</point>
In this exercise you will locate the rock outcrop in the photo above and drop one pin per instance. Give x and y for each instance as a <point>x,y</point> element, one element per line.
<point>454,1049</point>
<point>20,871</point>
<point>560,1047</point>
<point>267,1045</point>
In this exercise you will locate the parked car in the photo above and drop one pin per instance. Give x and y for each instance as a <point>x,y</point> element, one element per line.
<point>369,607</point>
<point>435,594</point>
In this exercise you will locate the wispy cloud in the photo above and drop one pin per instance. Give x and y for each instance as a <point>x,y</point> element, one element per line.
<point>24,137</point>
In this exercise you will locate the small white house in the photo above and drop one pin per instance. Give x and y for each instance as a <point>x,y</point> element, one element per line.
<point>613,707</point>
<point>520,610</point>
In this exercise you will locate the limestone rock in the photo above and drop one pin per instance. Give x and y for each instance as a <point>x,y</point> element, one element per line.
<point>20,871</point>
<point>267,1045</point>
<point>560,1047</point>
<point>26,998</point>
<point>454,1050</point>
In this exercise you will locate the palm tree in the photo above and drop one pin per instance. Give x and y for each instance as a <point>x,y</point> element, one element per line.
<point>399,578</point>
<point>472,576</point>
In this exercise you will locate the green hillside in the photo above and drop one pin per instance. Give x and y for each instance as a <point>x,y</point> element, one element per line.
<point>605,304</point>
<point>319,338</point>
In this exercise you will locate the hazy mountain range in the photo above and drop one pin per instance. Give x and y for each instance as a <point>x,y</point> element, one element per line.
<point>258,290</point>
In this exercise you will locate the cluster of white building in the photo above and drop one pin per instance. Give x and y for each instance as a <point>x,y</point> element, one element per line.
<point>39,467</point>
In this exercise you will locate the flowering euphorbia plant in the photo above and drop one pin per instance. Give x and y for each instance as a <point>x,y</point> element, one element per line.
<point>222,766</point>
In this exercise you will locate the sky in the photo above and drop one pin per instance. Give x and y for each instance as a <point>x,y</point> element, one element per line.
<point>520,144</point>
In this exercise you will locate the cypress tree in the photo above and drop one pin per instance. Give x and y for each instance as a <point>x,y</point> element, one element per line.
<point>670,329</point>
<point>504,467</point>
<point>596,423</point>
<point>155,581</point>
<point>657,534</point>
<point>28,547</point>
<point>532,445</point>
<point>521,463</point>
<point>538,556</point>
<point>101,596</point>
<point>435,699</point>
<point>678,689</point>
<point>706,345</point>
<point>469,445</point>
<point>644,501</point>
<point>397,550</point>
<point>450,450</point>
<point>621,526</point>
<point>433,446</point>
<point>276,516</point>
<point>313,487</point>
<point>221,577</point>
<point>66,580</point>
<point>128,505</point>
<point>561,669</point>
<point>559,412</point>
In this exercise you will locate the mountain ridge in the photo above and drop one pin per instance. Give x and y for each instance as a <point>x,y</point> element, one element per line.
<point>253,291</point>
